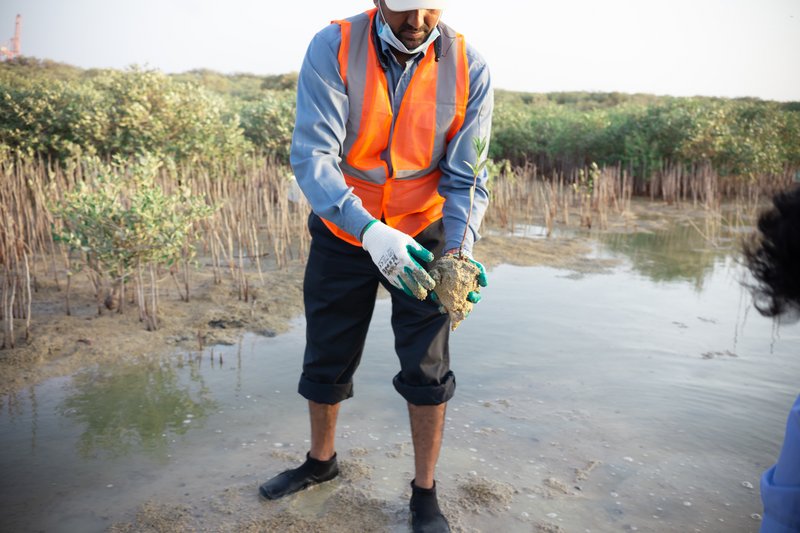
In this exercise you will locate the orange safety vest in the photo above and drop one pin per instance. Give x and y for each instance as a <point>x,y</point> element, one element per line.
<point>431,113</point>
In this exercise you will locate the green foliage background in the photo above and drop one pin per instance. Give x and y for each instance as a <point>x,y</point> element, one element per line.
<point>739,137</point>
<point>59,111</point>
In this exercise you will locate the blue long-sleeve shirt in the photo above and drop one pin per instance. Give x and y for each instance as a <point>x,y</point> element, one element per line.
<point>322,111</point>
<point>780,485</point>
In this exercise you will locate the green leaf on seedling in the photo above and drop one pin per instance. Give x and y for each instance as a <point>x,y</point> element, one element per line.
<point>480,146</point>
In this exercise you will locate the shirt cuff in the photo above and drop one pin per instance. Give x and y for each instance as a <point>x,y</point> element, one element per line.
<point>455,244</point>
<point>781,505</point>
<point>364,230</point>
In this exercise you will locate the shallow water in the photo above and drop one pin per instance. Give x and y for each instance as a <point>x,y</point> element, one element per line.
<point>656,378</point>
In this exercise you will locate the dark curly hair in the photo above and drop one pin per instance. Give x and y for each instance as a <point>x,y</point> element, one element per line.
<point>773,257</point>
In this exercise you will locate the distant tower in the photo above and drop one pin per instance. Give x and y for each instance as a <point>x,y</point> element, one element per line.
<point>14,50</point>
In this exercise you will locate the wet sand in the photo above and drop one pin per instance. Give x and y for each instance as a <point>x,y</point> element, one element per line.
<point>343,505</point>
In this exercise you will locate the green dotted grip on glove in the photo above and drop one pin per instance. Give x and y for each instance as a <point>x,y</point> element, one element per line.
<point>416,280</point>
<point>419,253</point>
<point>482,276</point>
<point>473,296</point>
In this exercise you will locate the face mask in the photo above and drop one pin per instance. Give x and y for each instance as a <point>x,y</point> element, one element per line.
<point>387,35</point>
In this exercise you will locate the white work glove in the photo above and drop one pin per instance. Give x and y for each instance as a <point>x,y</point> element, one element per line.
<point>395,255</point>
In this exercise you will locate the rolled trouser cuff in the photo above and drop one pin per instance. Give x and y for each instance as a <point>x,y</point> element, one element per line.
<point>328,393</point>
<point>426,394</point>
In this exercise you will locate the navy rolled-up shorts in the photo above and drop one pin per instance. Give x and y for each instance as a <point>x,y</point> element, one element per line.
<point>339,290</point>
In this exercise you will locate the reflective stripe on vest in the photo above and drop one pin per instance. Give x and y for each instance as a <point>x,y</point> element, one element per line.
<point>431,113</point>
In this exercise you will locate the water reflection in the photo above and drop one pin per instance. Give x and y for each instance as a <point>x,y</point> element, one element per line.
<point>680,253</point>
<point>135,407</point>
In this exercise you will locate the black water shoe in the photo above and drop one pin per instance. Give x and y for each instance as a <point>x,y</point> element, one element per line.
<point>309,473</point>
<point>426,517</point>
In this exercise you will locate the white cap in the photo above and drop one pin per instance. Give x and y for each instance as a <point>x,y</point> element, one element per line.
<point>408,5</point>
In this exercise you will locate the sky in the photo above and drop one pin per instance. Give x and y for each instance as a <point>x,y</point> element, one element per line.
<point>728,48</point>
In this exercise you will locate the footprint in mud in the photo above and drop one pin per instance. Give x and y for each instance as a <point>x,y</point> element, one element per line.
<point>546,527</point>
<point>581,474</point>
<point>558,486</point>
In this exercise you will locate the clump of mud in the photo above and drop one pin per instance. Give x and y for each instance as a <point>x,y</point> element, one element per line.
<point>546,527</point>
<point>359,452</point>
<point>422,286</point>
<point>481,494</point>
<point>156,518</point>
<point>355,470</point>
<point>455,277</point>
